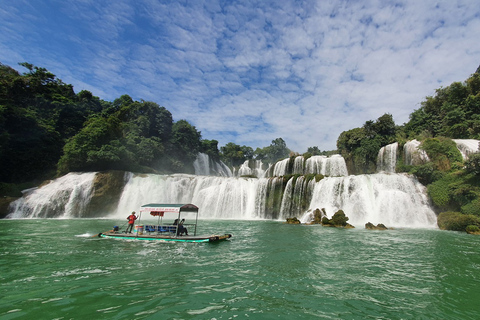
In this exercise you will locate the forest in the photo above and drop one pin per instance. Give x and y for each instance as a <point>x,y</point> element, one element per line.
<point>453,184</point>
<point>48,130</point>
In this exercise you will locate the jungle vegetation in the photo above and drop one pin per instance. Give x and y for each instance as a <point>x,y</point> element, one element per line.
<point>47,130</point>
<point>452,183</point>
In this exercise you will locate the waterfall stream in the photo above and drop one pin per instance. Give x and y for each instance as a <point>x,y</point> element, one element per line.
<point>396,200</point>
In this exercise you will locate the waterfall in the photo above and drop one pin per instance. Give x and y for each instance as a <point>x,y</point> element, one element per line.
<point>217,197</point>
<point>204,166</point>
<point>397,200</point>
<point>387,158</point>
<point>297,193</point>
<point>467,146</point>
<point>413,155</point>
<point>65,197</point>
<point>280,168</point>
<point>298,165</point>
<point>251,168</point>
<point>328,166</point>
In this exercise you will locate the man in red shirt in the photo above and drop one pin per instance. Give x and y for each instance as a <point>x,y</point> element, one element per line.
<point>131,221</point>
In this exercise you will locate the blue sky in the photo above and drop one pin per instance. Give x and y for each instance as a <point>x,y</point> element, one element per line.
<point>249,72</point>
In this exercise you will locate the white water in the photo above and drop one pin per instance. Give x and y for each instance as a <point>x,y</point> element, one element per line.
<point>65,197</point>
<point>467,146</point>
<point>387,158</point>
<point>396,200</point>
<point>413,155</point>
<point>280,168</point>
<point>217,197</point>
<point>204,166</point>
<point>251,168</point>
<point>333,166</point>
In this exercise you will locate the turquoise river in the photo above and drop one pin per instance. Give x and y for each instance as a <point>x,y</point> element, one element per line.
<point>58,269</point>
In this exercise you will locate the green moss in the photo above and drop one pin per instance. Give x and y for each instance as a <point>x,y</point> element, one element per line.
<point>439,192</point>
<point>472,229</point>
<point>293,220</point>
<point>325,221</point>
<point>472,208</point>
<point>339,219</point>
<point>311,176</point>
<point>456,221</point>
<point>443,152</point>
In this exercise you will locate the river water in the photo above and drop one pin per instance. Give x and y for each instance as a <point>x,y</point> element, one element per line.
<point>55,269</point>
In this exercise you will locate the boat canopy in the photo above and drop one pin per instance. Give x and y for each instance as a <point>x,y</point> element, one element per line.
<point>158,209</point>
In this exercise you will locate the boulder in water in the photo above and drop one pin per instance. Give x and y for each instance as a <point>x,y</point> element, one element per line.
<point>339,220</point>
<point>472,229</point>
<point>371,226</point>
<point>293,220</point>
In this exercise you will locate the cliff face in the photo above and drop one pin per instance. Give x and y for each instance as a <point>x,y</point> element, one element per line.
<point>107,189</point>
<point>4,204</point>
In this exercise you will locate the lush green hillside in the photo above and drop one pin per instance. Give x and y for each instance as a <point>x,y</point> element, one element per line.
<point>46,130</point>
<point>453,184</point>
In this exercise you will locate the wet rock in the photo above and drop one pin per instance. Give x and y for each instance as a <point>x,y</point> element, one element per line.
<point>293,220</point>
<point>371,226</point>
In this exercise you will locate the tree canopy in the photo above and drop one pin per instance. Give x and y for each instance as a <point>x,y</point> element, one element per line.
<point>46,128</point>
<point>360,146</point>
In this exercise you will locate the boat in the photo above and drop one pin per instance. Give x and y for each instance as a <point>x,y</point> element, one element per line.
<point>174,231</point>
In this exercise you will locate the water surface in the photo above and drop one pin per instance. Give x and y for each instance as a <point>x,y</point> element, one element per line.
<point>55,269</point>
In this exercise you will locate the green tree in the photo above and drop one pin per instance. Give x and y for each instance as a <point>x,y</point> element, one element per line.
<point>472,165</point>
<point>133,138</point>
<point>210,147</point>
<point>314,151</point>
<point>339,218</point>
<point>278,150</point>
<point>232,154</point>
<point>360,146</point>
<point>185,145</point>
<point>34,117</point>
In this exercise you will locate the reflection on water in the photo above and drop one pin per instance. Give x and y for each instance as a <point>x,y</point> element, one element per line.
<point>54,269</point>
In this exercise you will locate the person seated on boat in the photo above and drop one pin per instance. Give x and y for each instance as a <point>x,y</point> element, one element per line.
<point>181,229</point>
<point>131,221</point>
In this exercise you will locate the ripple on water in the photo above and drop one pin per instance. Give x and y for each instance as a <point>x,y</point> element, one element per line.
<point>267,270</point>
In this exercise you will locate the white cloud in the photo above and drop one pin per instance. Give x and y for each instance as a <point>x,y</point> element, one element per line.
<point>254,71</point>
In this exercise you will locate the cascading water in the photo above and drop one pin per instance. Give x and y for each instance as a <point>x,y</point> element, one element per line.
<point>397,200</point>
<point>281,168</point>
<point>328,166</point>
<point>467,146</point>
<point>217,197</point>
<point>65,197</point>
<point>392,199</point>
<point>413,155</point>
<point>387,158</point>
<point>333,166</point>
<point>298,165</point>
<point>251,168</point>
<point>204,166</point>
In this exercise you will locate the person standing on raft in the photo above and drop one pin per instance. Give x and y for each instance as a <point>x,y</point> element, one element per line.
<point>131,221</point>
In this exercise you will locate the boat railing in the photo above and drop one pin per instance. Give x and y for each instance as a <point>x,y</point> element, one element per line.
<point>165,228</point>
